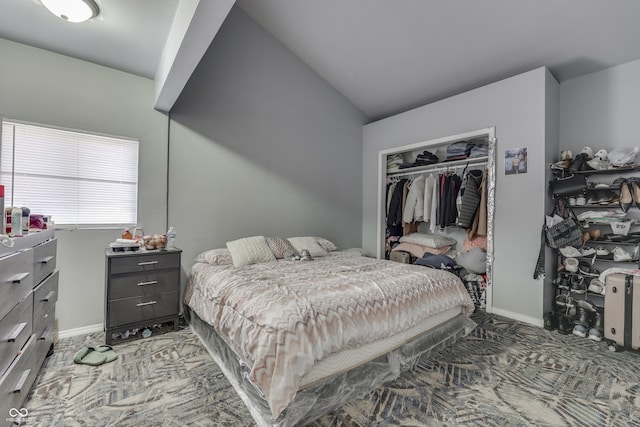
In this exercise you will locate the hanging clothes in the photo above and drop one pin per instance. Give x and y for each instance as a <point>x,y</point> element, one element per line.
<point>407,227</point>
<point>470,198</point>
<point>394,217</point>
<point>428,197</point>
<point>447,209</point>
<point>435,200</point>
<point>414,206</point>
<point>479,225</point>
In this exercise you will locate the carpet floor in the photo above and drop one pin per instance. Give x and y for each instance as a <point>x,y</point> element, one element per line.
<point>505,373</point>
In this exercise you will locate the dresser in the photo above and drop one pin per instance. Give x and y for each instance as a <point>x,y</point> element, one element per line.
<point>28,295</point>
<point>142,288</point>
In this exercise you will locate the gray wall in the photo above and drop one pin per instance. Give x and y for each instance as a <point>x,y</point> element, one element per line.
<point>48,88</point>
<point>261,145</point>
<point>517,107</point>
<point>602,109</point>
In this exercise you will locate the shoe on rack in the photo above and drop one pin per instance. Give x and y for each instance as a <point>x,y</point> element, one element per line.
<point>635,190</point>
<point>562,282</point>
<point>572,201</point>
<point>587,251</point>
<point>570,252</point>
<point>577,284</point>
<point>620,255</point>
<point>583,317</point>
<point>581,200</point>
<point>550,321</point>
<point>580,331</point>
<point>596,329</point>
<point>596,286</point>
<point>601,154</point>
<point>565,325</point>
<point>600,251</point>
<point>571,264</point>
<point>586,269</point>
<point>626,198</point>
<point>563,301</point>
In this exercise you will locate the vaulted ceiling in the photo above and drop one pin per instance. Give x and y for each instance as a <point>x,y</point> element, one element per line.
<point>384,56</point>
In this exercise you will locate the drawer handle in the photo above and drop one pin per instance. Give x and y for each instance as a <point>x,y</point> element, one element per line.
<point>16,332</point>
<point>45,260</point>
<point>147,263</point>
<point>151,282</point>
<point>23,379</point>
<point>48,296</point>
<point>46,333</point>
<point>140,304</point>
<point>19,277</point>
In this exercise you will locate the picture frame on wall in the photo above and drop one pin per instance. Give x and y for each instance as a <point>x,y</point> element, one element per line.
<point>515,161</point>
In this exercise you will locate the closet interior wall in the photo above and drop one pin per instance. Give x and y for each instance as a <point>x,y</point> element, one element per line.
<point>439,148</point>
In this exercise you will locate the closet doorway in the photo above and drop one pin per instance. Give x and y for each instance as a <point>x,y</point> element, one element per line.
<point>455,154</point>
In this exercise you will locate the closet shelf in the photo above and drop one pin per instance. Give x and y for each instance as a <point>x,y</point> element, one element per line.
<point>437,167</point>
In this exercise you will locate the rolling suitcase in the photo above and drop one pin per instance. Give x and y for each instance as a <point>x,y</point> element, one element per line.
<point>401,256</point>
<point>622,311</point>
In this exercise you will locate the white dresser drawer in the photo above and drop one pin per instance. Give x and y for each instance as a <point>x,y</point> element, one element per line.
<point>18,379</point>
<point>16,279</point>
<point>15,330</point>
<point>44,260</point>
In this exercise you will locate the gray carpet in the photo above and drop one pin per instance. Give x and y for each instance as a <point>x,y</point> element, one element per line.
<point>505,374</point>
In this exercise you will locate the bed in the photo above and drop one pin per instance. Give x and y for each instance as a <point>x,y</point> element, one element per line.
<point>297,339</point>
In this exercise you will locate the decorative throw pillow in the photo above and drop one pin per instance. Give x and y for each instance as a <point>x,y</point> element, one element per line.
<point>250,250</point>
<point>327,245</point>
<point>426,239</point>
<point>215,257</point>
<point>308,243</point>
<point>281,247</point>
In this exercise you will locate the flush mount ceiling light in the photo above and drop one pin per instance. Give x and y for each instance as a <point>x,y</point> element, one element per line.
<point>72,10</point>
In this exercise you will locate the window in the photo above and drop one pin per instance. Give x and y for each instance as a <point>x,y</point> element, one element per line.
<point>75,177</point>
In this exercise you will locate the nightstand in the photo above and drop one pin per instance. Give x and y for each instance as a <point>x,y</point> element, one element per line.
<point>141,289</point>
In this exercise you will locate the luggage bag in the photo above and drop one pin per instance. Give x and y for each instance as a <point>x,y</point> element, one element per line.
<point>401,256</point>
<point>622,311</point>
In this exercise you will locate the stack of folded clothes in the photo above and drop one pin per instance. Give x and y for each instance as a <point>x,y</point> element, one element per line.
<point>394,161</point>
<point>423,159</point>
<point>478,150</point>
<point>458,150</point>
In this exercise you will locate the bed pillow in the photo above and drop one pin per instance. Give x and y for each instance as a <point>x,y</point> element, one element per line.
<point>309,243</point>
<point>281,247</point>
<point>250,250</point>
<point>327,245</point>
<point>215,257</point>
<point>426,239</point>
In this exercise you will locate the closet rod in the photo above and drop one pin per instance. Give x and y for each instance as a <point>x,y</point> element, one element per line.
<point>427,169</point>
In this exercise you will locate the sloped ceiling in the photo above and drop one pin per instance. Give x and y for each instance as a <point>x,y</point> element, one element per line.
<point>384,56</point>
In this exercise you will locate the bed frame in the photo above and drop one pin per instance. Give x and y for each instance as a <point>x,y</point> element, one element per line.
<point>318,399</point>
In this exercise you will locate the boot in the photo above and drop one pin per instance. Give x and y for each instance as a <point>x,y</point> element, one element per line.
<point>596,331</point>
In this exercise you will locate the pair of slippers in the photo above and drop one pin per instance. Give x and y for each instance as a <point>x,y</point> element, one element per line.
<point>95,356</point>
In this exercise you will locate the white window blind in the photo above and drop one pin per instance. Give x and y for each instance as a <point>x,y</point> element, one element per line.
<point>77,178</point>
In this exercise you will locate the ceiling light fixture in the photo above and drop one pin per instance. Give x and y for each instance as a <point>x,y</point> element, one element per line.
<point>72,10</point>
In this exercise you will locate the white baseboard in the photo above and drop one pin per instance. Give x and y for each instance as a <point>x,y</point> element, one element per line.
<point>517,316</point>
<point>99,327</point>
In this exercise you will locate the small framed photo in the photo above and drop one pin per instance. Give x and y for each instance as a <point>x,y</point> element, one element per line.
<point>515,161</point>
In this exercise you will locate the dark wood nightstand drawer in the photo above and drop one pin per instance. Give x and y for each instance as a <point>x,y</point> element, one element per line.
<point>45,296</point>
<point>147,283</point>
<point>44,260</point>
<point>16,279</point>
<point>145,262</point>
<point>140,309</point>
<point>15,329</point>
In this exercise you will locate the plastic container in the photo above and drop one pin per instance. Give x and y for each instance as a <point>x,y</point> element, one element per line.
<point>26,220</point>
<point>16,222</point>
<point>171,237</point>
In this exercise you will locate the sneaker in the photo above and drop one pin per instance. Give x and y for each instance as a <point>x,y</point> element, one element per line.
<point>588,152</point>
<point>599,164</point>
<point>570,252</point>
<point>565,325</point>
<point>580,331</point>
<point>601,154</point>
<point>586,269</point>
<point>587,251</point>
<point>600,251</point>
<point>563,301</point>
<point>562,282</point>
<point>572,201</point>
<point>583,318</point>
<point>620,255</point>
<point>571,264</point>
<point>550,321</point>
<point>596,330</point>
<point>577,284</point>
<point>581,200</point>
<point>596,286</point>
